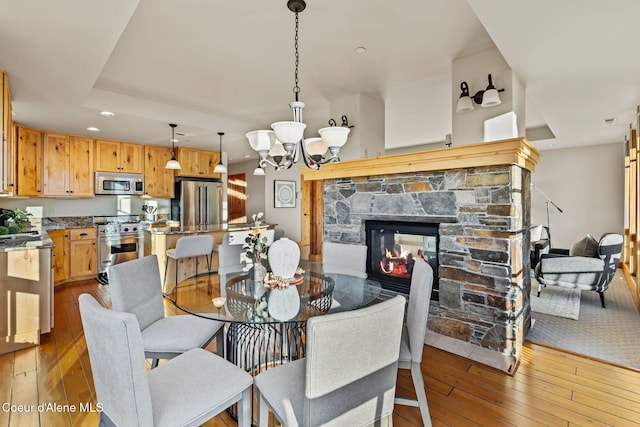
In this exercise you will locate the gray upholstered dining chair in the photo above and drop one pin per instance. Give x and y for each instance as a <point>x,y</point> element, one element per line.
<point>412,344</point>
<point>186,391</point>
<point>344,258</point>
<point>136,288</point>
<point>348,376</point>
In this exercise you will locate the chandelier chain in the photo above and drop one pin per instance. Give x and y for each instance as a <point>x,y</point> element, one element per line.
<point>296,88</point>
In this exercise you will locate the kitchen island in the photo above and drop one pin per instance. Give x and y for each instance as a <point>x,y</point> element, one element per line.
<point>26,290</point>
<point>159,238</point>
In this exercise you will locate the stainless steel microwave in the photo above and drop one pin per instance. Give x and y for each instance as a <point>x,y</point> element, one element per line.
<point>119,183</point>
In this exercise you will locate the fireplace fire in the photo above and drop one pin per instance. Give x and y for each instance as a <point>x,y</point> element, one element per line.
<point>392,248</point>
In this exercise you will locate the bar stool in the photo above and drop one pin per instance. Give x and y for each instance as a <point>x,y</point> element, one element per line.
<point>187,247</point>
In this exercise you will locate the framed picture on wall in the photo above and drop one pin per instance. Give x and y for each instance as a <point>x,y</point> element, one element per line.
<point>284,194</point>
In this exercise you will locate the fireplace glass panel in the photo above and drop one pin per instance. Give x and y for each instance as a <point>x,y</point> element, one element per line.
<point>393,248</point>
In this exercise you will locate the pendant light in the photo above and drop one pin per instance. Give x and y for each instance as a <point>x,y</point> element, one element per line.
<point>173,163</point>
<point>282,146</point>
<point>220,168</point>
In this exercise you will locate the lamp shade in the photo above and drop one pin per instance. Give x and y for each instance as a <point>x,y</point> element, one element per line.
<point>260,140</point>
<point>220,168</point>
<point>334,136</point>
<point>173,164</point>
<point>258,171</point>
<point>490,98</point>
<point>288,132</point>
<point>315,146</point>
<point>464,104</point>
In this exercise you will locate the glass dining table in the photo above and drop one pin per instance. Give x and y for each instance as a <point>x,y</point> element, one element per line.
<point>266,327</point>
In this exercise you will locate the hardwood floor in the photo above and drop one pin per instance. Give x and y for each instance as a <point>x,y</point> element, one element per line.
<point>549,388</point>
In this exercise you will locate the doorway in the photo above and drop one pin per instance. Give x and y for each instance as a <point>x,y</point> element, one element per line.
<point>237,197</point>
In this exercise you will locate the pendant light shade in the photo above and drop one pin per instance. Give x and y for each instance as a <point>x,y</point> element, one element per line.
<point>260,140</point>
<point>288,132</point>
<point>220,168</point>
<point>173,163</point>
<point>334,136</point>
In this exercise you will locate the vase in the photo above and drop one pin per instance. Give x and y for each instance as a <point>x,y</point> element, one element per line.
<point>284,257</point>
<point>283,304</point>
<point>258,272</point>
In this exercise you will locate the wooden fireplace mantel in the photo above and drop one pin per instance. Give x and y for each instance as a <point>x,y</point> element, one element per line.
<point>517,151</point>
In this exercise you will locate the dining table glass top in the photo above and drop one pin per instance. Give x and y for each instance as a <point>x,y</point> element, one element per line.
<point>315,293</point>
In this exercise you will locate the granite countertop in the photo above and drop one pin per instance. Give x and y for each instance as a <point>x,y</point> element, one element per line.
<point>23,241</point>
<point>67,222</point>
<point>212,228</point>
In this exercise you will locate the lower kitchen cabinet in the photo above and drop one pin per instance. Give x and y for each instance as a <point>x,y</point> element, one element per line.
<point>60,238</point>
<point>83,253</point>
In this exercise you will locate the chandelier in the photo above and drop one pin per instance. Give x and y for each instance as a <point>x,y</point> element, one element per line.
<point>282,146</point>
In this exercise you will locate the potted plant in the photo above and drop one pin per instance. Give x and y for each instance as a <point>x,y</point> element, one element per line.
<point>16,217</point>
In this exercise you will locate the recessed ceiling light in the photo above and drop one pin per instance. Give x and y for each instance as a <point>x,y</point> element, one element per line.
<point>107,113</point>
<point>93,129</point>
<point>361,49</point>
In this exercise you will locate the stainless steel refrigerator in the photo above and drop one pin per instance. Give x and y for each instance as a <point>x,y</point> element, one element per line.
<point>197,201</point>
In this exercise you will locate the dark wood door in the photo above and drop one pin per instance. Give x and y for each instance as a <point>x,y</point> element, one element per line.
<point>237,196</point>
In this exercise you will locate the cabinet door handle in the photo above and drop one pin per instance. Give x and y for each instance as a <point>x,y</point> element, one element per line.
<point>84,234</point>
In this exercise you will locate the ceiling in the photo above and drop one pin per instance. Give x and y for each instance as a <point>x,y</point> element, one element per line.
<point>213,66</point>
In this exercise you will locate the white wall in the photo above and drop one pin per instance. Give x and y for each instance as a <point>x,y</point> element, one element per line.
<point>587,183</point>
<point>288,219</point>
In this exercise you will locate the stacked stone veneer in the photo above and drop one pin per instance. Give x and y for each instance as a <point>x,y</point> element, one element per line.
<point>483,265</point>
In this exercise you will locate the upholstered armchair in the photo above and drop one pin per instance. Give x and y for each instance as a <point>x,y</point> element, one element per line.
<point>590,265</point>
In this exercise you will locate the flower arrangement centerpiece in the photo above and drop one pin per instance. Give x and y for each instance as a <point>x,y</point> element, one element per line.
<point>255,246</point>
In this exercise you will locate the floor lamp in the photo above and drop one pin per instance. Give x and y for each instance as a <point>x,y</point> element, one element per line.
<point>549,201</point>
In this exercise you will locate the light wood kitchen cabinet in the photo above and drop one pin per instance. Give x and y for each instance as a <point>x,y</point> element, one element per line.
<point>7,142</point>
<point>158,181</point>
<point>198,163</point>
<point>83,252</point>
<point>60,238</point>
<point>68,166</point>
<point>29,162</point>
<point>116,156</point>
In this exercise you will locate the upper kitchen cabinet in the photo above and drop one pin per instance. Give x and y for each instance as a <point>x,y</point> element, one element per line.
<point>28,162</point>
<point>7,153</point>
<point>116,156</point>
<point>158,181</point>
<point>68,166</point>
<point>198,163</point>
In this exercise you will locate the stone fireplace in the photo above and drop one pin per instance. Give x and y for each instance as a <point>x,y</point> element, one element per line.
<point>481,209</point>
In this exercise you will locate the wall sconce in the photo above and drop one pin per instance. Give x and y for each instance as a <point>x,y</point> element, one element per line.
<point>485,98</point>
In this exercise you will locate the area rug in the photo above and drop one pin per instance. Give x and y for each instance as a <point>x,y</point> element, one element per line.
<point>611,333</point>
<point>556,301</point>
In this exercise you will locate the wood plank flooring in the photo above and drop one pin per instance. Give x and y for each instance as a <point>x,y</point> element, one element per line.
<point>549,388</point>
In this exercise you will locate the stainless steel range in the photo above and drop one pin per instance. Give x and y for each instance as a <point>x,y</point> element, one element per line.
<point>120,239</point>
